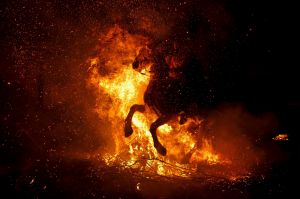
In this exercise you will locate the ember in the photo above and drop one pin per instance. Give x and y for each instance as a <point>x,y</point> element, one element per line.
<point>281,137</point>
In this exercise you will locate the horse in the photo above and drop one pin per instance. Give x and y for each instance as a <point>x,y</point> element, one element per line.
<point>171,90</point>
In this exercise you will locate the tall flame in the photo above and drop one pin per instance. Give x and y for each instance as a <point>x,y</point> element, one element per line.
<point>118,87</point>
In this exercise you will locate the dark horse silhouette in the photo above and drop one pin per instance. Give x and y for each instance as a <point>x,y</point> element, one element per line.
<point>171,90</point>
<point>187,58</point>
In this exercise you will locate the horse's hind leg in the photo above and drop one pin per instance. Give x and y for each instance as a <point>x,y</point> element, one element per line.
<point>160,121</point>
<point>128,129</point>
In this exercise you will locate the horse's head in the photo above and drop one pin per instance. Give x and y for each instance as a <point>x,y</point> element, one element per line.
<point>143,60</point>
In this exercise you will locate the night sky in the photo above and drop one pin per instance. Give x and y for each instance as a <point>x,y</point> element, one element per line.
<point>248,51</point>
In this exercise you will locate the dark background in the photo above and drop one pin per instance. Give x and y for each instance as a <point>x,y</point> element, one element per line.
<point>44,43</point>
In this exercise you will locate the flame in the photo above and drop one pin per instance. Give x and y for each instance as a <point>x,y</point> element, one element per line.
<point>281,137</point>
<point>118,87</point>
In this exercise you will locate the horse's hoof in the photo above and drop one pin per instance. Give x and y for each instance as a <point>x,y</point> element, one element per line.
<point>161,150</point>
<point>182,121</point>
<point>128,130</point>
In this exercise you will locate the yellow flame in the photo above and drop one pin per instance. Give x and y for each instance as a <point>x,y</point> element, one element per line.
<point>205,154</point>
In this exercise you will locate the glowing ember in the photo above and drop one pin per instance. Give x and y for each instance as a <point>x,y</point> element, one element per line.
<point>119,86</point>
<point>281,137</point>
<point>138,186</point>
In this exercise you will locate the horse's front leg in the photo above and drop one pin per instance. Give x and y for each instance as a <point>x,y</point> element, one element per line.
<point>160,121</point>
<point>128,121</point>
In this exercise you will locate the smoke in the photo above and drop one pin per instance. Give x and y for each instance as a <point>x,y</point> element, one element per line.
<point>241,135</point>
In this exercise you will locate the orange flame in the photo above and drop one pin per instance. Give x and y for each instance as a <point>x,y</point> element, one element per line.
<point>281,137</point>
<point>118,87</point>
